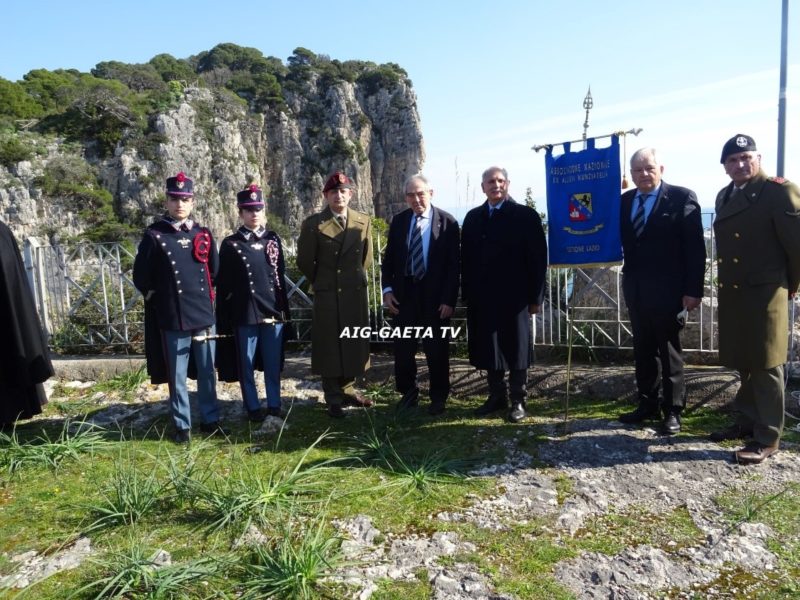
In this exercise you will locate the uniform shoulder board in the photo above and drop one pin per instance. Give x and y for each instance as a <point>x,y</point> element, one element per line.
<point>780,180</point>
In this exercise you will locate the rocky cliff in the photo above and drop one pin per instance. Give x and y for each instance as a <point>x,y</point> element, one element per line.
<point>224,142</point>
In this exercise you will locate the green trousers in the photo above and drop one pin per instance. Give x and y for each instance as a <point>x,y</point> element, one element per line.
<point>760,403</point>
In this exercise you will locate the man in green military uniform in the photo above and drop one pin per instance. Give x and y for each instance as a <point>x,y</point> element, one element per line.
<point>334,252</point>
<point>757,229</point>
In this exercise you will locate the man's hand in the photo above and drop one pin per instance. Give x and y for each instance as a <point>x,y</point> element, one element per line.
<point>445,311</point>
<point>690,302</point>
<point>390,302</point>
<point>534,308</point>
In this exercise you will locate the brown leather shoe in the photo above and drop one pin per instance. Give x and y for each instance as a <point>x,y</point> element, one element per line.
<point>754,453</point>
<point>357,400</point>
<point>733,432</point>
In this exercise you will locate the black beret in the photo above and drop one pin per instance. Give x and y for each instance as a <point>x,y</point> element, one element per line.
<point>738,143</point>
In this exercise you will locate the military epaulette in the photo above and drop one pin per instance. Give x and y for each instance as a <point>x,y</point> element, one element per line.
<point>776,179</point>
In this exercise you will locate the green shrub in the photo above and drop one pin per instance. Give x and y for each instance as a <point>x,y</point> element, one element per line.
<point>14,150</point>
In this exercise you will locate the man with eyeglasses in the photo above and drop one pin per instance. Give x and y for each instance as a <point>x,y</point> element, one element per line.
<point>253,306</point>
<point>757,232</point>
<point>420,274</point>
<point>664,251</point>
<point>503,263</point>
<point>174,270</point>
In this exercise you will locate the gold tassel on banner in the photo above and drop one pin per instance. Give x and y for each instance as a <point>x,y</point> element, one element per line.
<point>624,160</point>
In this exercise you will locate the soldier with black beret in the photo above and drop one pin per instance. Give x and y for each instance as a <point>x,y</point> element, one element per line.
<point>174,270</point>
<point>253,306</point>
<point>757,231</point>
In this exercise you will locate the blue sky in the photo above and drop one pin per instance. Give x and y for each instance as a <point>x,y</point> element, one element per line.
<point>492,78</point>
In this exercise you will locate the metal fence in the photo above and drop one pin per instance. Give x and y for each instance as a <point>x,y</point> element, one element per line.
<point>87,302</point>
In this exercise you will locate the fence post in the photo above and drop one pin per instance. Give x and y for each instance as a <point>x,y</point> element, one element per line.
<point>34,269</point>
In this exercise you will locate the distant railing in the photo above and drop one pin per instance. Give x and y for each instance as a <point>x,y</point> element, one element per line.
<point>87,302</point>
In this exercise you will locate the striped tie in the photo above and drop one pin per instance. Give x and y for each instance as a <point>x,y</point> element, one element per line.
<point>416,264</point>
<point>638,218</point>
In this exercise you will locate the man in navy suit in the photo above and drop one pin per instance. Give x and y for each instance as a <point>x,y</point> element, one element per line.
<point>664,266</point>
<point>420,273</point>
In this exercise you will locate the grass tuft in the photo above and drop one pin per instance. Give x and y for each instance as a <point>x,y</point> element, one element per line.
<point>421,474</point>
<point>133,493</point>
<point>294,564</point>
<point>137,572</point>
<point>125,384</point>
<point>247,495</point>
<point>74,440</point>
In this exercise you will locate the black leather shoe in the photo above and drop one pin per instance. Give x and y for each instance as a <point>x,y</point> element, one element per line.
<point>275,411</point>
<point>734,432</point>
<point>492,405</point>
<point>517,412</point>
<point>257,415</point>
<point>182,436</point>
<point>409,400</point>
<point>642,413</point>
<point>671,423</point>
<point>436,408</point>
<point>335,411</point>
<point>213,428</point>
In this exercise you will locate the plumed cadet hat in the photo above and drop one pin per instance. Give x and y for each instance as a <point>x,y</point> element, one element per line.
<point>250,197</point>
<point>338,181</point>
<point>180,185</point>
<point>738,143</point>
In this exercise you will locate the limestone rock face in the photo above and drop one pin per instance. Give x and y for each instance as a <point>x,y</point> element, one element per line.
<point>213,136</point>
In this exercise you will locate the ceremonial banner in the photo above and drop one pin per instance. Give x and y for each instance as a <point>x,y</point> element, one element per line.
<point>583,192</point>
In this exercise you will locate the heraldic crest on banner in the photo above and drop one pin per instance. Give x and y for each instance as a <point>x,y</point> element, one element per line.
<point>583,193</point>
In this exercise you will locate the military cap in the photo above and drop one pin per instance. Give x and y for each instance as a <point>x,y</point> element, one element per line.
<point>250,197</point>
<point>738,143</point>
<point>180,185</point>
<point>338,181</point>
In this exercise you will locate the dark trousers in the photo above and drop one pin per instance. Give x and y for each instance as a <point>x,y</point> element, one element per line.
<point>436,348</point>
<point>517,385</point>
<point>657,356</point>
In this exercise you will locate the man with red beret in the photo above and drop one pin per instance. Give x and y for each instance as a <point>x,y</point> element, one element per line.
<point>334,252</point>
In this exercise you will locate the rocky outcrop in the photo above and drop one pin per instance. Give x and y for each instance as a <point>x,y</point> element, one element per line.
<point>372,134</point>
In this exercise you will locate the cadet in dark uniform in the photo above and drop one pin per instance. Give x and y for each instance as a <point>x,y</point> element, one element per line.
<point>757,230</point>
<point>253,305</point>
<point>174,270</point>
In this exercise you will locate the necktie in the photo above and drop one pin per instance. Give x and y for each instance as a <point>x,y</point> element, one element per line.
<point>416,265</point>
<point>342,221</point>
<point>638,218</point>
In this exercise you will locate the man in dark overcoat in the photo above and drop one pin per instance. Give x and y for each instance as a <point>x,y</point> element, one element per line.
<point>24,358</point>
<point>420,274</point>
<point>503,263</point>
<point>334,251</point>
<point>661,229</point>
<point>252,306</point>
<point>174,270</point>
<point>757,232</point>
